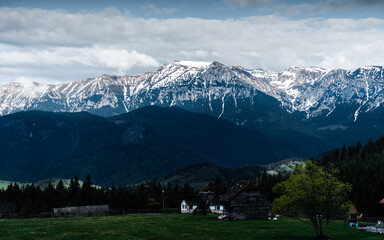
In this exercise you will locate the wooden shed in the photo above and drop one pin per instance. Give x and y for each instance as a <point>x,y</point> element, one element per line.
<point>95,210</point>
<point>245,200</point>
<point>353,217</point>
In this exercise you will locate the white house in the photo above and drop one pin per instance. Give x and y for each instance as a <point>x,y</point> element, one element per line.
<point>215,205</point>
<point>188,205</point>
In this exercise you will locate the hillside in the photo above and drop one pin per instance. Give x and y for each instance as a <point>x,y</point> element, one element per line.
<point>200,174</point>
<point>128,148</point>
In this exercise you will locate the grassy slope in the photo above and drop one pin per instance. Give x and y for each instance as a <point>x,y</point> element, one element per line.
<point>168,227</point>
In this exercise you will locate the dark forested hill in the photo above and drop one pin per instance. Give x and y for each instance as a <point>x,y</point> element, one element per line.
<point>200,174</point>
<point>128,148</point>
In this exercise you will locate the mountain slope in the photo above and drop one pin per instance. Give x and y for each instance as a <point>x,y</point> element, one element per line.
<point>128,148</point>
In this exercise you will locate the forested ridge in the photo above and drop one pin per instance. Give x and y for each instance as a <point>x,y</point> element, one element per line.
<point>363,167</point>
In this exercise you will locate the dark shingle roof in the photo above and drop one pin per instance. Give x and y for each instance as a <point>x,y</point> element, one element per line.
<point>208,197</point>
<point>192,200</point>
<point>215,200</point>
<point>237,188</point>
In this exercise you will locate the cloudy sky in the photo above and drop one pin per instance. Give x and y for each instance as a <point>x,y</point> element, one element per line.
<point>61,41</point>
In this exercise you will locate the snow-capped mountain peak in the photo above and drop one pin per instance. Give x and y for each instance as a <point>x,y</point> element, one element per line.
<point>314,91</point>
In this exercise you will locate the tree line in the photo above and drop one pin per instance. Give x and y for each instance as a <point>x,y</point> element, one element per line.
<point>33,200</point>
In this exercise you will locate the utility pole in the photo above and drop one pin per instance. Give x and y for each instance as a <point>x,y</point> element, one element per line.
<point>163,202</point>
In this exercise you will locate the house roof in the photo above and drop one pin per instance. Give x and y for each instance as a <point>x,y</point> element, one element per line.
<point>208,197</point>
<point>237,188</point>
<point>215,200</point>
<point>192,200</point>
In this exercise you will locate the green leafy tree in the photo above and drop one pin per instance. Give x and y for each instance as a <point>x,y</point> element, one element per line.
<point>313,196</point>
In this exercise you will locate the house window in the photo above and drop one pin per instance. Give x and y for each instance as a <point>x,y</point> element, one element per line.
<point>217,207</point>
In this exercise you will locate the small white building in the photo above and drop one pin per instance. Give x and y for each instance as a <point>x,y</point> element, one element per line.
<point>189,205</point>
<point>215,205</point>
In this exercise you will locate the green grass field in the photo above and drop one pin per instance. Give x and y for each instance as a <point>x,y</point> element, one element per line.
<point>174,226</point>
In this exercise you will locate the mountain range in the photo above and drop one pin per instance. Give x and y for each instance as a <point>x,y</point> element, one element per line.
<point>312,91</point>
<point>325,107</point>
<point>301,111</point>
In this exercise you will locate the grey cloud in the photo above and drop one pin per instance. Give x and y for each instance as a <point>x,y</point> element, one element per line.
<point>370,2</point>
<point>75,45</point>
<point>339,5</point>
<point>320,4</point>
<point>292,8</point>
<point>157,10</point>
<point>249,3</point>
<point>342,5</point>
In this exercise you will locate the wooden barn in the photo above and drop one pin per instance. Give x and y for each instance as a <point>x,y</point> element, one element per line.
<point>245,200</point>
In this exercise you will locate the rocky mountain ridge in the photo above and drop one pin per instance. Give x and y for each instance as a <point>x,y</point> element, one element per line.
<point>311,108</point>
<point>312,91</point>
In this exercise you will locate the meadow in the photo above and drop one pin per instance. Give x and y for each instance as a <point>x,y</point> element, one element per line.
<point>170,226</point>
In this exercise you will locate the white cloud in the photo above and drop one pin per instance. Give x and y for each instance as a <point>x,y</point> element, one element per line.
<point>196,55</point>
<point>42,43</point>
<point>96,56</point>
